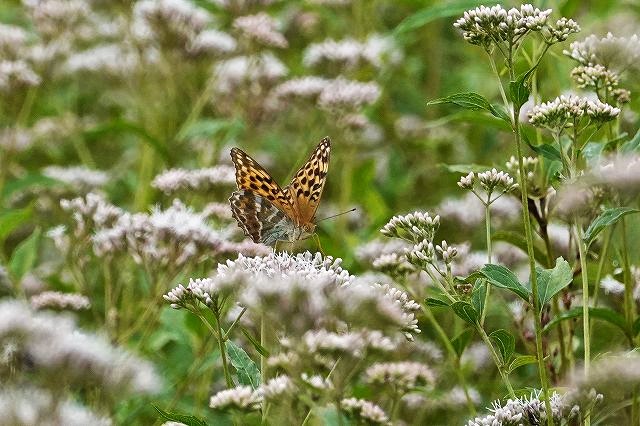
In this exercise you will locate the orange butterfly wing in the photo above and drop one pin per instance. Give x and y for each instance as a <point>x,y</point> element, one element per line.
<point>307,184</point>
<point>253,177</point>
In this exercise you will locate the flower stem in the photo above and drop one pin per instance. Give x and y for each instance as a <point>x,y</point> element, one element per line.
<point>497,360</point>
<point>487,221</point>
<point>582,252</point>
<point>223,352</point>
<point>542,371</point>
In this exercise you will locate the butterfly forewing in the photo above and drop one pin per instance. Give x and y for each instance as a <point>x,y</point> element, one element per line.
<point>306,186</point>
<point>251,176</point>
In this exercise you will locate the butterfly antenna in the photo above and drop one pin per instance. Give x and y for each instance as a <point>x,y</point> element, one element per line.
<point>336,215</point>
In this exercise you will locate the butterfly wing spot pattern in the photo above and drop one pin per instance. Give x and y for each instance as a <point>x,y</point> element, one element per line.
<point>266,212</point>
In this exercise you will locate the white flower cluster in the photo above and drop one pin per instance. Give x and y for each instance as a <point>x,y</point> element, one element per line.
<point>489,180</point>
<point>565,111</point>
<point>284,265</point>
<point>206,290</point>
<point>621,173</point>
<point>212,42</point>
<point>60,301</point>
<point>353,343</point>
<point>393,264</point>
<point>469,210</point>
<point>595,76</point>
<point>365,410</point>
<point>194,180</point>
<point>235,72</point>
<point>17,74</point>
<point>400,375</point>
<point>240,397</point>
<point>169,21</point>
<point>487,25</point>
<point>350,53</point>
<point>53,17</point>
<point>563,28</point>
<point>33,406</point>
<point>348,94</point>
<point>614,53</point>
<point>113,59</point>
<point>413,227</point>
<point>173,236</point>
<point>368,252</point>
<point>262,29</point>
<point>78,177</point>
<point>91,211</point>
<point>527,411</point>
<point>55,346</point>
<point>12,40</point>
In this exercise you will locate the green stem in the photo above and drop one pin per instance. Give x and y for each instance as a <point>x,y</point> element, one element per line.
<point>495,71</point>
<point>582,252</point>
<point>629,308</point>
<point>542,370</point>
<point>453,356</point>
<point>497,359</point>
<point>223,352</point>
<point>487,221</point>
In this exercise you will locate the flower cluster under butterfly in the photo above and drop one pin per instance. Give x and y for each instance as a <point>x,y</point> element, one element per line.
<point>268,213</point>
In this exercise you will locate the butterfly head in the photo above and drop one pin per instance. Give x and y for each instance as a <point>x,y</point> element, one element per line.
<point>303,231</point>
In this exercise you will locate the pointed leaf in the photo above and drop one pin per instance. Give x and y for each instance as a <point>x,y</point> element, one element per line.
<point>465,311</point>
<point>505,343</point>
<point>521,360</point>
<point>461,341</point>
<point>180,418</point>
<point>502,277</point>
<point>606,218</point>
<point>551,281</point>
<point>478,294</point>
<point>423,16</point>
<point>248,372</point>
<point>25,255</point>
<point>466,100</point>
<point>433,302</point>
<point>631,146</point>
<point>254,342</point>
<point>11,219</point>
<point>605,314</point>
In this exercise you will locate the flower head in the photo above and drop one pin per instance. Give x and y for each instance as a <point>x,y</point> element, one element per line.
<point>414,227</point>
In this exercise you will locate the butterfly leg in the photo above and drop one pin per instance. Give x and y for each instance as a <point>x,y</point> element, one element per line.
<point>275,246</point>
<point>317,238</point>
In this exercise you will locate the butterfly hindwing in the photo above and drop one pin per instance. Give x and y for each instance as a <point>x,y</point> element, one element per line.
<point>259,218</point>
<point>253,177</point>
<point>306,186</point>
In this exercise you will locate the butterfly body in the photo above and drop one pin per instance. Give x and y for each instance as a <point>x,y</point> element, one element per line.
<point>268,213</point>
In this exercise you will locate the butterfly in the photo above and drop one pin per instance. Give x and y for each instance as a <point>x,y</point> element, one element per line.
<point>268,213</point>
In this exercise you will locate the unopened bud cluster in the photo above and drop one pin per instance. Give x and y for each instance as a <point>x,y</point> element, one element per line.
<point>413,227</point>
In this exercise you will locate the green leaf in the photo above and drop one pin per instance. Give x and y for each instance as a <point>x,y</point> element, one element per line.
<point>592,151</point>
<point>551,281</point>
<point>25,255</point>
<point>636,327</point>
<point>248,372</point>
<point>502,277</point>
<point>478,294</point>
<point>520,361</point>
<point>180,418</point>
<point>505,343</point>
<point>210,128</point>
<point>499,112</point>
<point>11,219</point>
<point>631,146</point>
<point>429,14</point>
<point>436,303</point>
<point>519,92</point>
<point>254,342</point>
<point>461,341</point>
<point>465,311</point>
<point>520,242</point>
<point>28,181</point>
<point>466,100</point>
<point>548,151</point>
<point>124,126</point>
<point>605,314</point>
<point>606,218</point>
